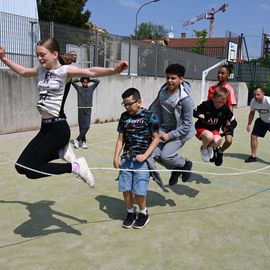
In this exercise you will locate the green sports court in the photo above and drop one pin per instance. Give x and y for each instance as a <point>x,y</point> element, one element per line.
<point>219,219</point>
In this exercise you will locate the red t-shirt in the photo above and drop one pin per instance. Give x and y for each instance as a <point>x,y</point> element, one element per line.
<point>231,100</point>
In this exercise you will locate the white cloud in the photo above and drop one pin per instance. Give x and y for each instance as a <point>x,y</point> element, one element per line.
<point>128,3</point>
<point>264,7</point>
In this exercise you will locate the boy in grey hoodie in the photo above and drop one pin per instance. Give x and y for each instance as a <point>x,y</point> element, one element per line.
<point>174,109</point>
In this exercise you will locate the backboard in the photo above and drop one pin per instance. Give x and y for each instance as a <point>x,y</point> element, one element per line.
<point>232,52</point>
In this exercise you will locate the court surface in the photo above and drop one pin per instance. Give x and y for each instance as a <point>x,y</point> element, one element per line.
<point>217,220</point>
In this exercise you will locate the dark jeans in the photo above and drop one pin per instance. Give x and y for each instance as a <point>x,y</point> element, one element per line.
<point>84,119</point>
<point>44,148</point>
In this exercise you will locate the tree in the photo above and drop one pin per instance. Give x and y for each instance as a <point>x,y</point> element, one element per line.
<point>149,31</point>
<point>69,12</point>
<point>265,61</point>
<point>201,35</point>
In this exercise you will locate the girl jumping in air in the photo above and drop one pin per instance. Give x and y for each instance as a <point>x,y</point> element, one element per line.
<point>52,141</point>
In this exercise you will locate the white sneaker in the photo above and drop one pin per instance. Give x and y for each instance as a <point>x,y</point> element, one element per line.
<point>84,145</point>
<point>204,154</point>
<point>69,154</point>
<point>84,172</point>
<point>76,144</point>
<point>210,152</point>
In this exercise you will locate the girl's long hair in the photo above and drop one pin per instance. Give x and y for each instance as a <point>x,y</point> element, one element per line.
<point>52,45</point>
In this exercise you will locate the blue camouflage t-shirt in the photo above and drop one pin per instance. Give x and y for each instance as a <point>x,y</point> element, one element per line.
<point>137,130</point>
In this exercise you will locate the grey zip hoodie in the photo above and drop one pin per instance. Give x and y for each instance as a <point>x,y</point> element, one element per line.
<point>183,112</point>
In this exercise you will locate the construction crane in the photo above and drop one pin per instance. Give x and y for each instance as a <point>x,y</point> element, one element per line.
<point>209,15</point>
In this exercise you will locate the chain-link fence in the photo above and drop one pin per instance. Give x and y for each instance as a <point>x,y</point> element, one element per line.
<point>19,36</point>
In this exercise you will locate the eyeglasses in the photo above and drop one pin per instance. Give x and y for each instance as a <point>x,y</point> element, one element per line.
<point>128,105</point>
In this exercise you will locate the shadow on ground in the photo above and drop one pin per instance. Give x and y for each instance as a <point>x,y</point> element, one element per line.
<point>115,208</point>
<point>184,190</point>
<point>199,179</point>
<point>42,217</point>
<point>244,156</point>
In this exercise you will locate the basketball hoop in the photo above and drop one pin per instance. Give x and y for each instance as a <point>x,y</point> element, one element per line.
<point>232,52</point>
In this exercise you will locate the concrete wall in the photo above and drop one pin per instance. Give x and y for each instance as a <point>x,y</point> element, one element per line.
<point>18,97</point>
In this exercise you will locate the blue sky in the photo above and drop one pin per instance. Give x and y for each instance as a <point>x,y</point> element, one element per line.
<point>250,17</point>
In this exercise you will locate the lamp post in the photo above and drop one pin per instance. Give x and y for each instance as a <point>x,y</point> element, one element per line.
<point>147,3</point>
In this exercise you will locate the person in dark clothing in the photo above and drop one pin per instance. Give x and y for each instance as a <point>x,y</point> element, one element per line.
<point>212,115</point>
<point>85,103</point>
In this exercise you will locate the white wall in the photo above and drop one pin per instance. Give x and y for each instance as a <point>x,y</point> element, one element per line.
<point>18,97</point>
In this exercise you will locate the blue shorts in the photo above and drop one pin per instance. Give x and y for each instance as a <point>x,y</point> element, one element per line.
<point>134,181</point>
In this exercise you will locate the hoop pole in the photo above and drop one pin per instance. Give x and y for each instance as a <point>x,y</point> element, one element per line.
<point>204,74</point>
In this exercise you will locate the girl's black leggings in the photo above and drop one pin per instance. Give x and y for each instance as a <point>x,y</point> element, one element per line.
<point>44,148</point>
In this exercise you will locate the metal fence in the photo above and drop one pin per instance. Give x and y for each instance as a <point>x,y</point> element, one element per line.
<point>19,36</point>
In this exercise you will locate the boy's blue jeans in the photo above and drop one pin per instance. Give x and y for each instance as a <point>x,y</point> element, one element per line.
<point>134,181</point>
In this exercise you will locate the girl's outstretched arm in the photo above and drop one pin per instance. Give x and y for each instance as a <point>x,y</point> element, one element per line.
<point>21,70</point>
<point>97,71</point>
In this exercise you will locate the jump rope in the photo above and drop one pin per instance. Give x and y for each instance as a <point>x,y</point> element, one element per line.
<point>132,170</point>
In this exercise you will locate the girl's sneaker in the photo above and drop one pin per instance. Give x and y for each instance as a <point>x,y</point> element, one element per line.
<point>84,172</point>
<point>68,153</point>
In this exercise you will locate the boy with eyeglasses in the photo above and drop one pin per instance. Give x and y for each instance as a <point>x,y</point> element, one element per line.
<point>174,109</point>
<point>137,137</point>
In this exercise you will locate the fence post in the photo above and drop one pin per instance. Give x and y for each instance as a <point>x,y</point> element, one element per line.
<point>129,54</point>
<point>32,42</point>
<point>156,59</point>
<point>52,29</point>
<point>105,52</point>
<point>193,65</point>
<point>96,49</point>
